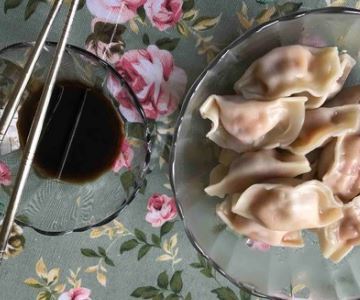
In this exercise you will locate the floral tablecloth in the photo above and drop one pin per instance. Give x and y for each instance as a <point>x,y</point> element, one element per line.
<point>160,47</point>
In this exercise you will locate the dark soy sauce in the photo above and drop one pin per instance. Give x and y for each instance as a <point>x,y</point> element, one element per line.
<point>81,136</point>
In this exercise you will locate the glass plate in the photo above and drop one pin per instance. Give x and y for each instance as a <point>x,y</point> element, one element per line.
<point>280,272</point>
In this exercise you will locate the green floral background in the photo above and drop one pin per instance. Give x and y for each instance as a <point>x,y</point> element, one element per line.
<point>144,253</point>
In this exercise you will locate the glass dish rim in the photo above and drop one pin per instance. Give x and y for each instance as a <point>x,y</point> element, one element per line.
<point>147,137</point>
<point>327,10</point>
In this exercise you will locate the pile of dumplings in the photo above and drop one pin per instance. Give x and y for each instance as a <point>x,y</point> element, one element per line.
<point>290,150</point>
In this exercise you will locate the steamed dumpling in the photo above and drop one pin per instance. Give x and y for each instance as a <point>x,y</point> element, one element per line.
<point>323,123</point>
<point>339,238</point>
<point>350,95</point>
<point>227,156</point>
<point>289,206</point>
<point>247,125</point>
<point>347,64</point>
<point>339,167</point>
<point>296,69</point>
<point>255,231</point>
<point>251,167</point>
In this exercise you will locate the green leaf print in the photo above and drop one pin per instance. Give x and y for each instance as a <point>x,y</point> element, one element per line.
<point>163,280</point>
<point>172,297</point>
<point>225,293</point>
<point>167,43</point>
<point>207,273</point>
<point>141,13</point>
<point>128,245</point>
<point>166,228</point>
<point>143,251</point>
<point>165,291</point>
<point>109,261</point>
<point>244,295</point>
<point>187,5</point>
<point>89,252</point>
<point>144,291</point>
<point>176,283</point>
<point>135,130</point>
<point>127,180</point>
<point>10,4</point>
<point>155,239</point>
<point>31,7</point>
<point>196,265</point>
<point>188,296</point>
<point>140,235</point>
<point>146,39</point>
<point>102,251</point>
<point>143,187</point>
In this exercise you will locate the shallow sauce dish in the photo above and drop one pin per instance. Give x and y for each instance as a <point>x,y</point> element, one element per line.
<point>279,273</point>
<point>53,206</point>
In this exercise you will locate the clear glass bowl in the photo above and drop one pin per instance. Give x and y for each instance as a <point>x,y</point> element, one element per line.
<point>281,272</point>
<point>52,206</point>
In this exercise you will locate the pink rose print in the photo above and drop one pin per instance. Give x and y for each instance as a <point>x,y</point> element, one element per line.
<point>5,174</point>
<point>126,106</point>
<point>161,208</point>
<point>157,82</point>
<point>125,158</point>
<point>114,11</point>
<point>258,245</point>
<point>79,293</point>
<point>163,14</point>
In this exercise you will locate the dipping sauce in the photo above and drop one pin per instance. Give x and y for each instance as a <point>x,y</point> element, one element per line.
<point>82,132</point>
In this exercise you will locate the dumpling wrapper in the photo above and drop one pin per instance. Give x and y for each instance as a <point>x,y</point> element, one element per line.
<point>247,125</point>
<point>252,167</point>
<point>227,156</point>
<point>350,95</point>
<point>339,167</point>
<point>289,206</point>
<point>254,231</point>
<point>317,73</point>
<point>339,238</point>
<point>324,123</point>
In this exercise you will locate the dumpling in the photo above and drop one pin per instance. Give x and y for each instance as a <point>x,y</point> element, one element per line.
<point>339,166</point>
<point>339,238</point>
<point>255,231</point>
<point>315,72</point>
<point>350,95</point>
<point>227,156</point>
<point>346,65</point>
<point>323,123</point>
<point>250,167</point>
<point>289,206</point>
<point>246,125</point>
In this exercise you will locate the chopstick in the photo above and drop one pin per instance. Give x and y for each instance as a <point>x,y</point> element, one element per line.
<point>20,85</point>
<point>37,124</point>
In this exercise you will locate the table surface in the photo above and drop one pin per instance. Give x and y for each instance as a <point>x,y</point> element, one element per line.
<point>114,261</point>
